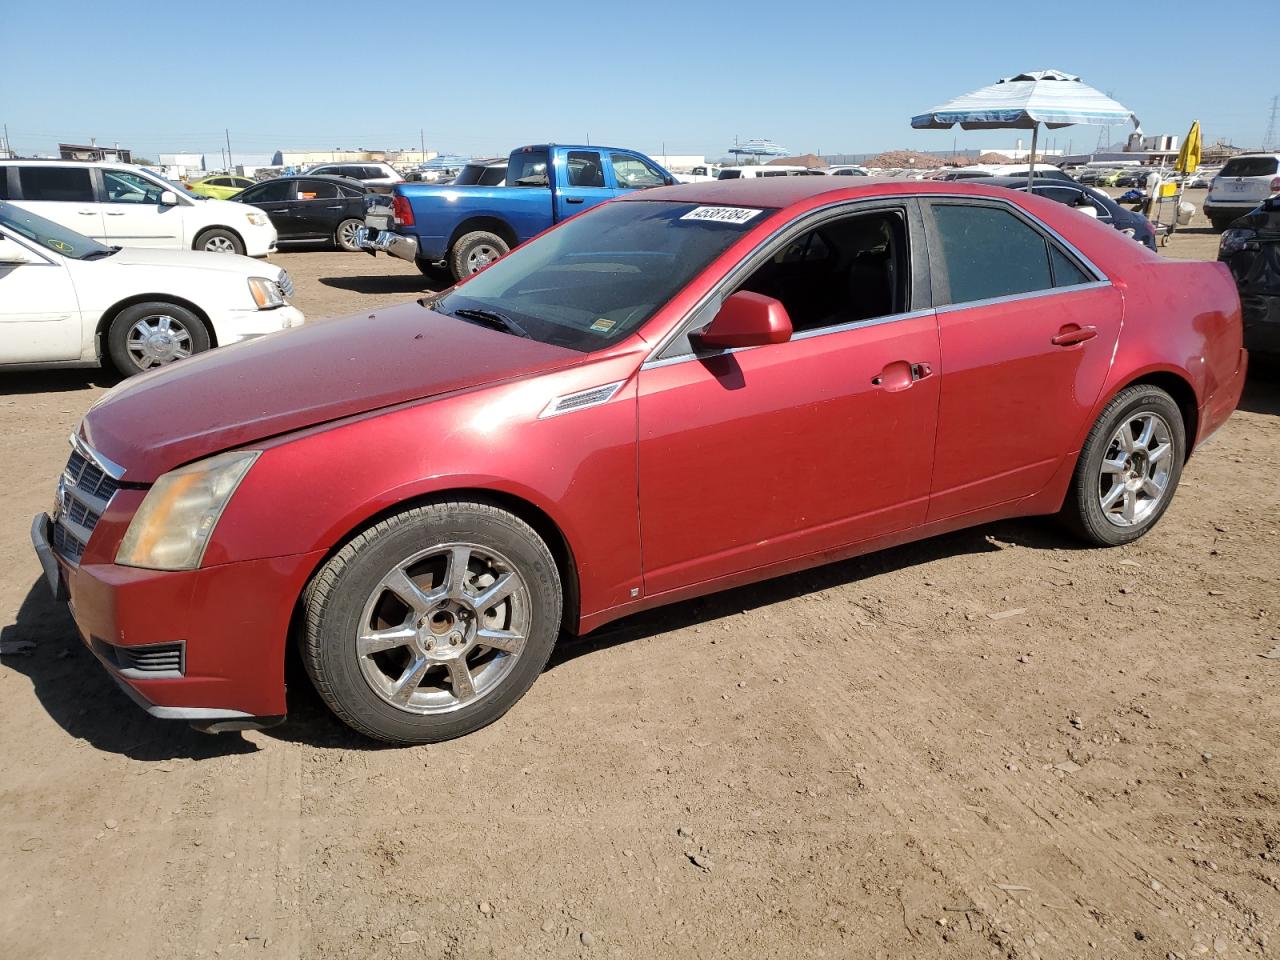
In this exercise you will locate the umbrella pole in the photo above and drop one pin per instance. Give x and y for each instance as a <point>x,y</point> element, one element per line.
<point>1031,168</point>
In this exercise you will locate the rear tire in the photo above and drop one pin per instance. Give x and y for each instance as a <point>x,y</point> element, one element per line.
<point>345,236</point>
<point>474,251</point>
<point>218,240</point>
<point>1219,224</point>
<point>433,622</point>
<point>147,336</point>
<point>1129,468</point>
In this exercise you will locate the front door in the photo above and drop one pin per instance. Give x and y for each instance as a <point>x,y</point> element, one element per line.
<point>1027,331</point>
<point>276,197</point>
<point>580,183</point>
<point>777,452</point>
<point>39,311</point>
<point>134,215</point>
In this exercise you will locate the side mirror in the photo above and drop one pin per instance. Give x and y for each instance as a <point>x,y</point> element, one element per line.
<point>13,254</point>
<point>745,319</point>
<point>168,199</point>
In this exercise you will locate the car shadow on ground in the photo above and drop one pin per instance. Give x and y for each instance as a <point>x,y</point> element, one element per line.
<point>1262,389</point>
<point>80,697</point>
<point>1034,533</point>
<point>56,381</point>
<point>397,283</point>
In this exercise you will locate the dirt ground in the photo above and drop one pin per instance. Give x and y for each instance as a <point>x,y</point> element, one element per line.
<point>991,744</point>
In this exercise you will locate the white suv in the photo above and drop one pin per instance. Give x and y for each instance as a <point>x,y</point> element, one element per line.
<point>123,205</point>
<point>1244,183</point>
<point>370,174</point>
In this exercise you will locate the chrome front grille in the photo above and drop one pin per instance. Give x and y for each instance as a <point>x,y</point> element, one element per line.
<point>286,283</point>
<point>84,490</point>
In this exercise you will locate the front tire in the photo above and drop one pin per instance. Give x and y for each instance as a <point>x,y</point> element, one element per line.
<point>433,622</point>
<point>150,335</point>
<point>1129,468</point>
<point>345,236</point>
<point>474,251</point>
<point>218,240</point>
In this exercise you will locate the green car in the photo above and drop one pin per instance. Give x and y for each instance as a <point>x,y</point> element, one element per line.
<point>220,188</point>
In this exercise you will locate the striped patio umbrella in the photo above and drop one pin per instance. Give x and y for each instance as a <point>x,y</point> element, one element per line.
<point>1024,102</point>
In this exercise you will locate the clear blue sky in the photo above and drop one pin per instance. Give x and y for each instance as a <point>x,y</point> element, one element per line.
<point>481,77</point>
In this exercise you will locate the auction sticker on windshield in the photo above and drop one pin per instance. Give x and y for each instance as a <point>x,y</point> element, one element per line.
<point>722,214</point>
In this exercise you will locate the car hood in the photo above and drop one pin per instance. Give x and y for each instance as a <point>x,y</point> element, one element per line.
<point>190,260</point>
<point>238,395</point>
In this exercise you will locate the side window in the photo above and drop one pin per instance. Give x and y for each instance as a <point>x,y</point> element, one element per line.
<point>845,271</point>
<point>122,186</point>
<point>584,169</point>
<point>1066,272</point>
<point>63,184</point>
<point>351,193</point>
<point>219,182</point>
<point>987,252</point>
<point>493,177</point>
<point>729,175</point>
<point>317,190</point>
<point>372,173</point>
<point>272,190</point>
<point>528,169</point>
<point>632,172</point>
<point>1065,195</point>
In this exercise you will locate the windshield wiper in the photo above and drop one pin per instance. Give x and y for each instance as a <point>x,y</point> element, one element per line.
<point>489,318</point>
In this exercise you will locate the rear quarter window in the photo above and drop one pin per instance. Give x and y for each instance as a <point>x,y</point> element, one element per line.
<point>64,184</point>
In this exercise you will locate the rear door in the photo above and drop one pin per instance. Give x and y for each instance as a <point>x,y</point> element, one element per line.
<point>1027,329</point>
<point>316,210</point>
<point>276,198</point>
<point>580,182</point>
<point>133,213</point>
<point>63,194</point>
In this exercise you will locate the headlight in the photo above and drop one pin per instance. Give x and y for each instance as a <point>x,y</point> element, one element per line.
<point>266,293</point>
<point>172,527</point>
<point>258,218</point>
<point>1233,241</point>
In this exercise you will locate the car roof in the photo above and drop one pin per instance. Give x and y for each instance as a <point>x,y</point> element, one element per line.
<point>345,181</point>
<point>1015,180</point>
<point>782,192</point>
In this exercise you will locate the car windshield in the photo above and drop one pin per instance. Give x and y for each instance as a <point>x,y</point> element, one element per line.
<point>175,187</point>
<point>50,236</point>
<point>598,277</point>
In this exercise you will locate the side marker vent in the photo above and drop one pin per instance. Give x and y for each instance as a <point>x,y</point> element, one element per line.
<point>581,400</point>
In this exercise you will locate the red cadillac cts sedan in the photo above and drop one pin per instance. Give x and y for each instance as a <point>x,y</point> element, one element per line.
<point>687,389</point>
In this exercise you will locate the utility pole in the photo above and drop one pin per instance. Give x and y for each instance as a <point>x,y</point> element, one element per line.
<point>229,160</point>
<point>8,146</point>
<point>422,141</point>
<point>1268,141</point>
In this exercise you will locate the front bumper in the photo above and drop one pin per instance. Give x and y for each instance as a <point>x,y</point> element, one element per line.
<point>377,241</point>
<point>259,240</point>
<point>236,325</point>
<point>231,620</point>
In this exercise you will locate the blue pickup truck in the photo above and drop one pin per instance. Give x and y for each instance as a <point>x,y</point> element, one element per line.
<point>461,229</point>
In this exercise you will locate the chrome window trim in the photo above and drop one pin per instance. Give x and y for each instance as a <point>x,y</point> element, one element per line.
<point>1015,297</point>
<point>108,466</point>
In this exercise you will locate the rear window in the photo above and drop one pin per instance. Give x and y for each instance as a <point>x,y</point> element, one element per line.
<point>729,175</point>
<point>65,184</point>
<point>527,168</point>
<point>1250,167</point>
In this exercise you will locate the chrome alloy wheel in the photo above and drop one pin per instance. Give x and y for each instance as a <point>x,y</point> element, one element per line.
<point>219,245</point>
<point>443,628</point>
<point>347,233</point>
<point>481,257</point>
<point>156,340</point>
<point>1135,469</point>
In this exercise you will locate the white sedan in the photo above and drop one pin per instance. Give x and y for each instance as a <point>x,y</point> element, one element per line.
<point>67,299</point>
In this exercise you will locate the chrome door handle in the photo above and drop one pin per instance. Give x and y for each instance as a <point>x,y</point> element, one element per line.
<point>574,199</point>
<point>110,214</point>
<point>86,213</point>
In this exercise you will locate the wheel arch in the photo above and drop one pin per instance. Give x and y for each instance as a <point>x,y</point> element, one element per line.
<point>108,315</point>
<point>494,225</point>
<point>195,241</point>
<point>531,513</point>
<point>1179,387</point>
